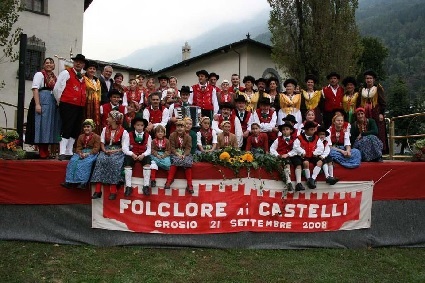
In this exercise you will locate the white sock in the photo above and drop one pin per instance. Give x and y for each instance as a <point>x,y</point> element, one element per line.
<point>331,170</point>
<point>307,173</point>
<point>287,174</point>
<point>153,165</point>
<point>146,176</point>
<point>316,172</point>
<point>326,170</point>
<point>128,172</point>
<point>298,175</point>
<point>62,146</point>
<point>69,146</point>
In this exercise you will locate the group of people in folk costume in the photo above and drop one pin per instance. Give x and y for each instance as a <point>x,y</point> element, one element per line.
<point>123,125</point>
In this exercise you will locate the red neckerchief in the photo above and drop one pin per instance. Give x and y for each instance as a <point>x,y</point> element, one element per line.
<point>334,138</point>
<point>180,141</point>
<point>207,135</point>
<point>49,79</point>
<point>87,139</point>
<point>118,134</point>
<point>160,144</point>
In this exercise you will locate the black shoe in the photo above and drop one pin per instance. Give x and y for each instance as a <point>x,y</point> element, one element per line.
<point>66,185</point>
<point>332,180</point>
<point>68,157</point>
<point>167,186</point>
<point>311,183</point>
<point>82,186</point>
<point>96,195</point>
<point>128,191</point>
<point>289,187</point>
<point>146,190</point>
<point>299,187</point>
<point>153,183</point>
<point>189,189</point>
<point>61,157</point>
<point>112,196</point>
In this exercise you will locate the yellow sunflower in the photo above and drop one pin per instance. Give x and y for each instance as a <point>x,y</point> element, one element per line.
<point>224,156</point>
<point>248,157</point>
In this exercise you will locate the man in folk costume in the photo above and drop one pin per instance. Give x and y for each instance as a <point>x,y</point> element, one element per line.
<point>176,110</point>
<point>228,115</point>
<point>138,150</point>
<point>261,89</point>
<point>114,104</point>
<point>212,80</point>
<point>244,117</point>
<point>204,95</point>
<point>236,87</point>
<point>332,98</point>
<point>70,94</point>
<point>373,101</point>
<point>266,118</point>
<point>156,114</point>
<point>163,81</point>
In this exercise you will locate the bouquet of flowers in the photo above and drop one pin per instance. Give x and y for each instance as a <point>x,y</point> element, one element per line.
<point>9,148</point>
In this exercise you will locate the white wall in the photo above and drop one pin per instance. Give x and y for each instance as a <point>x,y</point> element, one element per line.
<point>61,29</point>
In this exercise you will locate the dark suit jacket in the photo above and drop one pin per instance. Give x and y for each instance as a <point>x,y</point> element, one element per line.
<point>104,90</point>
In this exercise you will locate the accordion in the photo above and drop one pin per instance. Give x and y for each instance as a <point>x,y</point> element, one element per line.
<point>193,112</point>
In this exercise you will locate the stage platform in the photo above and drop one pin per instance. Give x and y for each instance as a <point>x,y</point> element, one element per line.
<point>34,207</point>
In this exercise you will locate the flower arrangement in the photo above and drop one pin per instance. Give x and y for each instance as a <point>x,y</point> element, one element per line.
<point>419,151</point>
<point>9,148</point>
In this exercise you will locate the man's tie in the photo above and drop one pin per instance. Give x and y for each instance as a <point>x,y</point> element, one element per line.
<point>116,108</point>
<point>241,115</point>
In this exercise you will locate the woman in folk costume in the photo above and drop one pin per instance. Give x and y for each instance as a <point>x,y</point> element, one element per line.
<point>311,99</point>
<point>181,144</point>
<point>250,94</point>
<point>80,166</point>
<point>93,95</point>
<point>43,120</point>
<point>150,88</point>
<point>373,101</point>
<point>160,153</point>
<point>290,103</point>
<point>132,112</point>
<point>273,93</point>
<point>350,100</point>
<point>109,163</point>
<point>133,93</point>
<point>206,137</point>
<point>341,151</point>
<point>364,137</point>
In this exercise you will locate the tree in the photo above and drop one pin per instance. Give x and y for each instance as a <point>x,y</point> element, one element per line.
<point>314,36</point>
<point>373,56</point>
<point>9,36</point>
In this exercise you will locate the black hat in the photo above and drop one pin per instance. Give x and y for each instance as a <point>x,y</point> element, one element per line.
<point>227,105</point>
<point>213,75</point>
<point>290,81</point>
<point>290,118</point>
<point>260,80</point>
<point>163,77</point>
<point>349,80</point>
<point>333,74</point>
<point>310,77</point>
<point>309,125</point>
<point>240,98</point>
<point>370,72</point>
<point>248,79</point>
<point>91,63</point>
<point>202,72</point>
<point>79,57</point>
<point>139,119</point>
<point>264,101</point>
<point>115,91</point>
<point>287,125</point>
<point>322,129</point>
<point>273,79</point>
<point>185,89</point>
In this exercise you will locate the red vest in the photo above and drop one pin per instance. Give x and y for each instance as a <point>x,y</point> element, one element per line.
<point>231,120</point>
<point>75,90</point>
<point>155,116</point>
<point>246,117</point>
<point>260,143</point>
<point>135,95</point>
<point>206,137</point>
<point>283,147</point>
<point>272,135</point>
<point>309,147</point>
<point>107,107</point>
<point>139,147</point>
<point>201,98</point>
<point>333,102</point>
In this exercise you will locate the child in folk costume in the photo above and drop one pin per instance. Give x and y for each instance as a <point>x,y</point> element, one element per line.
<point>80,166</point>
<point>181,144</point>
<point>291,119</point>
<point>206,137</point>
<point>266,118</point>
<point>133,93</point>
<point>114,97</point>
<point>132,112</point>
<point>305,145</point>
<point>138,150</point>
<point>257,142</point>
<point>322,152</point>
<point>109,163</point>
<point>228,115</point>
<point>282,147</point>
<point>188,128</point>
<point>177,110</point>
<point>226,138</point>
<point>160,153</point>
<point>244,117</point>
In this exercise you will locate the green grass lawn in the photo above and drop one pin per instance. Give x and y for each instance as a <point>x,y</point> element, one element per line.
<point>38,262</point>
